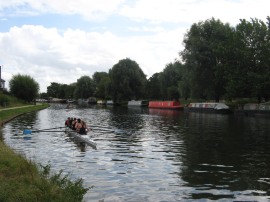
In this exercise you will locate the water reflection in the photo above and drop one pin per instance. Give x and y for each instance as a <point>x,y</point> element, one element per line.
<point>154,155</point>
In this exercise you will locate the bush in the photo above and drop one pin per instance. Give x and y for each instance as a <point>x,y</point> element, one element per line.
<point>4,100</point>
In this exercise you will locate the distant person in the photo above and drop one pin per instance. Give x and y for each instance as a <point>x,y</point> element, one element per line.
<point>78,125</point>
<point>70,123</point>
<point>84,129</point>
<point>67,122</point>
<point>74,123</point>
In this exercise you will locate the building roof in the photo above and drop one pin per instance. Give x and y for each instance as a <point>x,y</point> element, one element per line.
<point>2,80</point>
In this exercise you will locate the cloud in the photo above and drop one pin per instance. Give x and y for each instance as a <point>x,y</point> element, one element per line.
<point>88,9</point>
<point>193,11</point>
<point>48,55</point>
<point>151,33</point>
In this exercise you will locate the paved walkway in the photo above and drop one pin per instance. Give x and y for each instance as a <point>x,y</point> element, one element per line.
<point>2,109</point>
<point>12,117</point>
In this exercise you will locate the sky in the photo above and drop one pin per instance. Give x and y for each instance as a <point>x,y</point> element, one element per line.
<point>60,41</point>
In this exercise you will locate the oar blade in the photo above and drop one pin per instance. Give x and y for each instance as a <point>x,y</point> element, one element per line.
<point>27,132</point>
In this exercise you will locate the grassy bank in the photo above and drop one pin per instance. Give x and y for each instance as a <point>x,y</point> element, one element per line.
<point>23,180</point>
<point>10,113</point>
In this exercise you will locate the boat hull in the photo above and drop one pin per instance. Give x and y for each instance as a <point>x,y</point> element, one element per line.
<point>138,103</point>
<point>215,108</point>
<point>78,138</point>
<point>253,109</point>
<point>165,105</point>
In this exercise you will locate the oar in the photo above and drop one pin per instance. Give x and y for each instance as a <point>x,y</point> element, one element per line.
<point>94,126</point>
<point>102,130</point>
<point>52,128</point>
<point>27,131</point>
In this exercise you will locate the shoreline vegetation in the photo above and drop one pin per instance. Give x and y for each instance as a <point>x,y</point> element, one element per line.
<point>24,180</point>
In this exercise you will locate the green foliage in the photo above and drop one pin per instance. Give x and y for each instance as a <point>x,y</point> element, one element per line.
<point>128,81</point>
<point>169,79</point>
<point>21,180</point>
<point>250,76</point>
<point>73,191</point>
<point>154,86</point>
<point>4,100</point>
<point>7,100</point>
<point>225,62</point>
<point>206,51</point>
<point>24,87</point>
<point>103,83</point>
<point>62,91</point>
<point>84,87</point>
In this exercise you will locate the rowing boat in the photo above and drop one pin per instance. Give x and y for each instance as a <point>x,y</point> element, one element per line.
<point>79,138</point>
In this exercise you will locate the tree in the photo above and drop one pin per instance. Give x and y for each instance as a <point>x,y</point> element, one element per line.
<point>24,87</point>
<point>84,87</point>
<point>127,81</point>
<point>62,91</point>
<point>169,79</point>
<point>251,74</point>
<point>54,90</point>
<point>69,90</point>
<point>206,49</point>
<point>153,87</point>
<point>184,84</point>
<point>102,83</point>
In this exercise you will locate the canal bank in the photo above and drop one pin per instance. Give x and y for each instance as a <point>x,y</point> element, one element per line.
<point>7,114</point>
<point>23,180</point>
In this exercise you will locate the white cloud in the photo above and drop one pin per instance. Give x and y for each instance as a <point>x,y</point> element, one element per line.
<point>193,11</point>
<point>49,56</point>
<point>54,55</point>
<point>89,9</point>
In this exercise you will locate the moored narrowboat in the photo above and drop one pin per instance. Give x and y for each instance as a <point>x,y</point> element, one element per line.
<point>165,105</point>
<point>138,103</point>
<point>101,102</point>
<point>208,107</point>
<point>252,109</point>
<point>110,102</point>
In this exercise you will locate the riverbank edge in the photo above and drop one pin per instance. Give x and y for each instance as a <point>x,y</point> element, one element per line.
<point>24,180</point>
<point>13,112</point>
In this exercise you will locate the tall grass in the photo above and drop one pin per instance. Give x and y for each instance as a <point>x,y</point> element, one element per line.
<point>8,101</point>
<point>22,180</point>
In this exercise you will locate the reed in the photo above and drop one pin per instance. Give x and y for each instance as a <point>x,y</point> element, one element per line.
<point>23,180</point>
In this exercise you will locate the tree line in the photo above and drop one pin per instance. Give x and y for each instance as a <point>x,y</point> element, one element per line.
<point>218,62</point>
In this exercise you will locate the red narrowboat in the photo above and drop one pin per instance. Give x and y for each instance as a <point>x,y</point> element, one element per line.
<point>165,105</point>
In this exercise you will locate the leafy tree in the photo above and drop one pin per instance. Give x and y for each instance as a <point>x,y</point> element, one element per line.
<point>54,90</point>
<point>169,79</point>
<point>154,86</point>
<point>69,90</point>
<point>206,49</point>
<point>184,84</point>
<point>102,83</point>
<point>84,87</point>
<point>62,91</point>
<point>127,81</point>
<point>98,76</point>
<point>251,74</point>
<point>24,87</point>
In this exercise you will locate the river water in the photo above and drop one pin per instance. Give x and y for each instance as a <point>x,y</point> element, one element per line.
<point>153,155</point>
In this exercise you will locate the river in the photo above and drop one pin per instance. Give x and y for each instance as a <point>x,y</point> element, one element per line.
<point>153,155</point>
